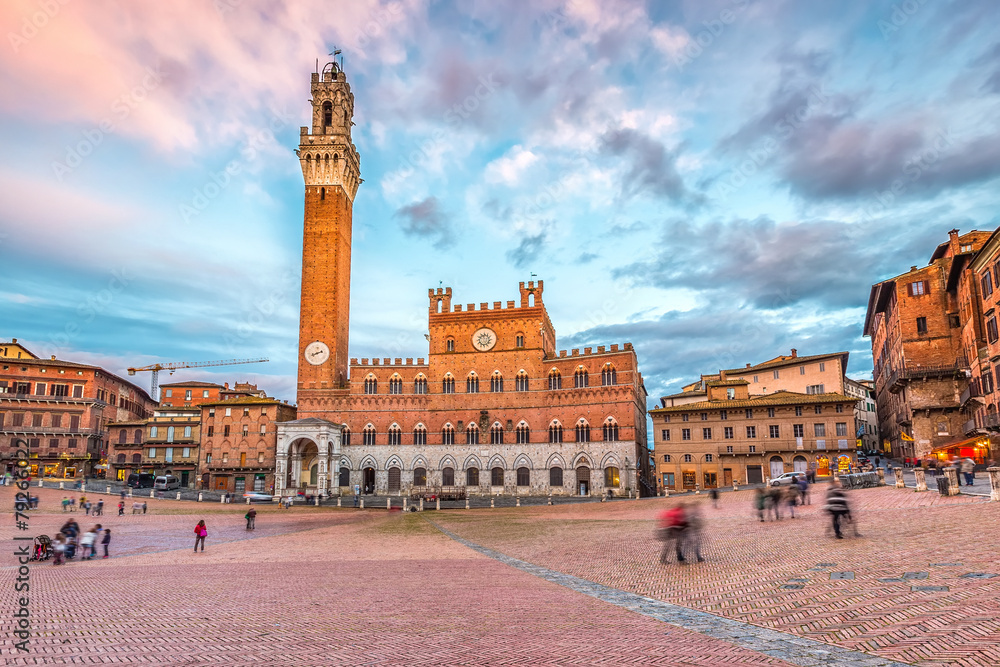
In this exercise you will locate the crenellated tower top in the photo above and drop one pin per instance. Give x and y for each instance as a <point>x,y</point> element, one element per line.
<point>326,152</point>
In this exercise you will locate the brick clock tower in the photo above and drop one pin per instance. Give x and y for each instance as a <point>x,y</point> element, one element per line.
<point>331,169</point>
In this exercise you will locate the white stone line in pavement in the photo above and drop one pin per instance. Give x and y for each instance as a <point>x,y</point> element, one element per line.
<point>780,645</point>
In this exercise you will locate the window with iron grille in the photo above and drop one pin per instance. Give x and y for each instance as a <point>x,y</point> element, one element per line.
<point>555,476</point>
<point>419,477</point>
<point>496,476</point>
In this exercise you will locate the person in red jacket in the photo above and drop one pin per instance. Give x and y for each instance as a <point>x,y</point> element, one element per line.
<point>201,532</point>
<point>673,523</point>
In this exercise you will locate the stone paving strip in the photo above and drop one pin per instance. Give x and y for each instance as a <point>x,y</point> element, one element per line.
<point>786,647</point>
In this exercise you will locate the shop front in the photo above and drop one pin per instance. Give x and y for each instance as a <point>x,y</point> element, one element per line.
<point>978,449</point>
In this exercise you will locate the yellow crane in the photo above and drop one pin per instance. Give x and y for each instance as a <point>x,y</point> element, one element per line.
<point>154,392</point>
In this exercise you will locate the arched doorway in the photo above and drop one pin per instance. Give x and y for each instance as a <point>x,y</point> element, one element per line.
<point>583,480</point>
<point>368,485</point>
<point>314,474</point>
<point>777,466</point>
<point>395,475</point>
<point>345,477</point>
<point>800,464</point>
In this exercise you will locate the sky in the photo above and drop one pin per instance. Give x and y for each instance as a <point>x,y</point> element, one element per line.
<point>714,181</point>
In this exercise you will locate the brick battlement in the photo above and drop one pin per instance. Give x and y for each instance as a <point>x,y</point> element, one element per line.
<point>589,351</point>
<point>387,362</point>
<point>440,300</point>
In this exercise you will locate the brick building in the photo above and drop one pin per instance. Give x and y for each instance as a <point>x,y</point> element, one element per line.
<point>493,408</point>
<point>732,435</point>
<point>865,414</point>
<point>238,443</point>
<point>62,408</point>
<point>922,331</point>
<point>190,393</point>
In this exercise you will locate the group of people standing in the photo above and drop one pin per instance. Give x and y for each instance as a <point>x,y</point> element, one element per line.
<point>768,503</point>
<point>69,540</point>
<point>69,505</point>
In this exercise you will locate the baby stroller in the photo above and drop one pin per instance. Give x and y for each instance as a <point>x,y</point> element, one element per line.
<point>43,548</point>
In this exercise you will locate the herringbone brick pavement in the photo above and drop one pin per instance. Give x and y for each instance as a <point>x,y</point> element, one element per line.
<point>781,575</point>
<point>319,587</point>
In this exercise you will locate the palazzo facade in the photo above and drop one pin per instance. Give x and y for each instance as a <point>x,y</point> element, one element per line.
<point>494,407</point>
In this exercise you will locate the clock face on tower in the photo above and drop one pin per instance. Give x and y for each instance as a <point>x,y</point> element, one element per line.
<point>484,339</point>
<point>317,353</point>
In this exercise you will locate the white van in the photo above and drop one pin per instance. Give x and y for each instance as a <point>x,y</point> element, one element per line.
<point>166,483</point>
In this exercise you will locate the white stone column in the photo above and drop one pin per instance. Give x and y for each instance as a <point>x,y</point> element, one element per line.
<point>321,464</point>
<point>951,472</point>
<point>994,474</point>
<point>899,478</point>
<point>280,474</point>
<point>921,479</point>
<point>295,460</point>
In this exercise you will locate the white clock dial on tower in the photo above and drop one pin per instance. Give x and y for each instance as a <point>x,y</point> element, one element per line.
<point>484,339</point>
<point>317,353</point>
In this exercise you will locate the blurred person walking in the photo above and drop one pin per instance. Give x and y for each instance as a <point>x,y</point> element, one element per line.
<point>201,532</point>
<point>836,505</point>
<point>672,525</point>
<point>251,517</point>
<point>969,471</point>
<point>759,501</point>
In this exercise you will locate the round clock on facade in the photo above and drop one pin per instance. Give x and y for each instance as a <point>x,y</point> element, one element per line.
<point>317,353</point>
<point>484,339</point>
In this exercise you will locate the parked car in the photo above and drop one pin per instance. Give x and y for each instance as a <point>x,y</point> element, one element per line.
<point>256,497</point>
<point>786,479</point>
<point>141,480</point>
<point>166,483</point>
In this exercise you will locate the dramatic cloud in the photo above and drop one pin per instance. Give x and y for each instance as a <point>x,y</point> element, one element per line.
<point>526,254</point>
<point>649,167</point>
<point>426,219</point>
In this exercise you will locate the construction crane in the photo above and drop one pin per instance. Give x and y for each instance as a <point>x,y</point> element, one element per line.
<point>154,392</point>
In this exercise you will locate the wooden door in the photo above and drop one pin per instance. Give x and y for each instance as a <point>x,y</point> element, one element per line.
<point>727,476</point>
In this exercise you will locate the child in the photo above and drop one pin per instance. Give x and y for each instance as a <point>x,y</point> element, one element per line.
<point>121,508</point>
<point>58,549</point>
<point>106,540</point>
<point>87,544</point>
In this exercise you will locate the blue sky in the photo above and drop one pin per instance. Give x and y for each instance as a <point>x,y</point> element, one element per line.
<point>714,181</point>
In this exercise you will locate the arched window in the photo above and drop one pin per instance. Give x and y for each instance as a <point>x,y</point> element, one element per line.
<point>555,379</point>
<point>610,429</point>
<point>496,476</point>
<point>419,477</point>
<point>451,344</point>
<point>371,385</point>
<point>448,435</point>
<point>327,114</point>
<point>472,477</point>
<point>448,384</point>
<point>395,435</point>
<point>521,381</point>
<point>395,385</point>
<point>555,432</point>
<point>344,477</point>
<point>688,458</point>
<point>666,458</point>
<point>496,382</point>
<point>523,434</point>
<point>345,438</point>
<point>555,476</point>
<point>608,375</point>
<point>419,435</point>
<point>580,378</point>
<point>519,340</point>
<point>170,434</point>
<point>368,435</point>
<point>472,384</point>
<point>122,436</point>
<point>136,458</point>
<point>496,434</point>
<point>448,477</point>
<point>137,436</point>
<point>582,432</point>
<point>420,385</point>
<point>611,477</point>
<point>523,477</point>
<point>472,434</point>
<point>121,458</point>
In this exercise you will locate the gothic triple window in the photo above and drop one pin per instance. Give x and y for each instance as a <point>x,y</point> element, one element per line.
<point>448,435</point>
<point>420,435</point>
<point>395,385</point>
<point>420,385</point>
<point>610,431</point>
<point>580,378</point>
<point>472,384</point>
<point>608,375</point>
<point>368,435</point>
<point>395,435</point>
<point>523,434</point>
<point>555,379</point>
<point>555,433</point>
<point>521,381</point>
<point>583,432</point>
<point>496,434</point>
<point>448,385</point>
<point>472,435</point>
<point>496,382</point>
<point>371,385</point>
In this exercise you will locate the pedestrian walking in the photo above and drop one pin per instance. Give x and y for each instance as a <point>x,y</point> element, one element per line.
<point>774,502</point>
<point>671,532</point>
<point>803,483</point>
<point>99,509</point>
<point>691,536</point>
<point>87,544</point>
<point>201,532</point>
<point>123,494</point>
<point>251,517</point>
<point>143,507</point>
<point>969,471</point>
<point>759,502</point>
<point>121,508</point>
<point>106,540</point>
<point>65,504</point>
<point>59,549</point>
<point>791,498</point>
<point>714,495</point>
<point>836,505</point>
<point>86,507</point>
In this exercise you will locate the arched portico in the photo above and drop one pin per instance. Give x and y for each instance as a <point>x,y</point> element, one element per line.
<point>307,451</point>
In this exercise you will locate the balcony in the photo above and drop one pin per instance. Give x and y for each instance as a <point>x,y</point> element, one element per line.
<point>992,421</point>
<point>47,399</point>
<point>176,462</point>
<point>969,427</point>
<point>898,377</point>
<point>768,446</point>
<point>971,392</point>
<point>904,415</point>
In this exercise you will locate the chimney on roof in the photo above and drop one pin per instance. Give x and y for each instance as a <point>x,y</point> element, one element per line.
<point>748,365</point>
<point>53,357</point>
<point>227,385</point>
<point>953,234</point>
<point>13,340</point>
<point>913,268</point>
<point>722,375</point>
<point>953,242</point>
<point>795,353</point>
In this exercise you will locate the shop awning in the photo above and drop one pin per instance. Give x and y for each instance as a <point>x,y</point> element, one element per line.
<point>968,442</point>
